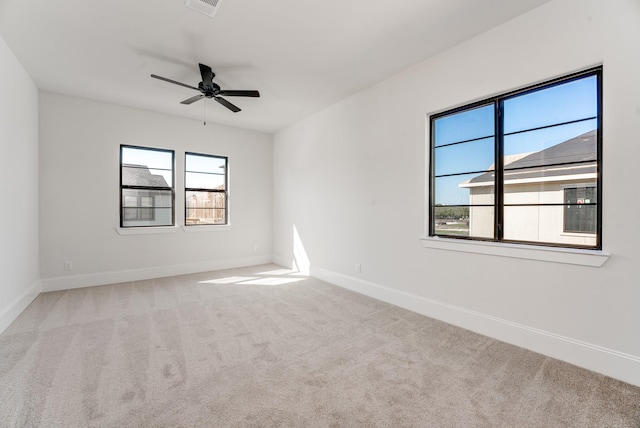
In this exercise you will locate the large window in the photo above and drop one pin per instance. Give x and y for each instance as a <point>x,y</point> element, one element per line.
<point>523,167</point>
<point>146,187</point>
<point>205,189</point>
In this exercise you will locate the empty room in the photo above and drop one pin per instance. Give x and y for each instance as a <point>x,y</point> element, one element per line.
<point>238,213</point>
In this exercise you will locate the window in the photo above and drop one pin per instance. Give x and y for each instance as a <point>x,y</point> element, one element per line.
<point>579,213</point>
<point>523,167</point>
<point>205,189</point>
<point>146,187</point>
<point>138,207</point>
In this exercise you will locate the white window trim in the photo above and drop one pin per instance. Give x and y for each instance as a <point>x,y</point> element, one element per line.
<point>593,258</point>
<point>149,230</point>
<point>206,228</point>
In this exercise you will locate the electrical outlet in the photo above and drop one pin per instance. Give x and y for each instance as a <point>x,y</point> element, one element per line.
<point>68,265</point>
<point>358,268</point>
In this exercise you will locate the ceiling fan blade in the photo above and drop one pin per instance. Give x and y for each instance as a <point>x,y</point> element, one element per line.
<point>174,82</point>
<point>192,99</point>
<point>206,73</point>
<point>227,104</point>
<point>232,93</point>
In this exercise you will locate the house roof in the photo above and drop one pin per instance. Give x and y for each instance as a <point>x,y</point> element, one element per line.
<point>139,175</point>
<point>574,157</point>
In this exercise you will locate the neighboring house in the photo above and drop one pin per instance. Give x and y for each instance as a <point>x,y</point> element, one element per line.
<point>206,207</point>
<point>146,205</point>
<point>564,174</point>
<point>140,175</point>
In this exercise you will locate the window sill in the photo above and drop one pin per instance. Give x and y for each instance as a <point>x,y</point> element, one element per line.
<point>206,228</point>
<point>593,258</point>
<point>579,235</point>
<point>146,230</point>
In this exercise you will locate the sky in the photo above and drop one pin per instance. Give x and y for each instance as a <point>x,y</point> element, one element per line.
<point>201,171</point>
<point>571,101</point>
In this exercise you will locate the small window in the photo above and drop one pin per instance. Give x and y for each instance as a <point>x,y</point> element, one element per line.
<point>138,207</point>
<point>580,214</point>
<point>523,167</point>
<point>146,187</point>
<point>205,189</point>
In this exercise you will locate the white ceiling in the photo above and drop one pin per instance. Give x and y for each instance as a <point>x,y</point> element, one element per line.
<point>302,55</point>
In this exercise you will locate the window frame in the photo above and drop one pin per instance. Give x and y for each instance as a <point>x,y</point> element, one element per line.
<point>124,187</point>
<point>224,191</point>
<point>499,134</point>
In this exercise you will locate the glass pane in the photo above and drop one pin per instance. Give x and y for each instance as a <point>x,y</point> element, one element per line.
<point>130,201</point>
<point>467,125</point>
<point>481,222</point>
<point>465,189</point>
<point>575,142</point>
<point>196,180</point>
<point>205,199</point>
<point>543,224</point>
<point>208,216</point>
<point>146,213</point>
<point>137,175</point>
<point>157,216</point>
<point>580,211</point>
<point>142,207</point>
<point>135,214</point>
<point>522,192</point>
<point>149,158</point>
<point>147,167</point>
<point>146,198</point>
<point>146,201</point>
<point>452,221</point>
<point>198,163</point>
<point>205,208</point>
<point>574,100</point>
<point>477,222</point>
<point>473,156</point>
<point>130,213</point>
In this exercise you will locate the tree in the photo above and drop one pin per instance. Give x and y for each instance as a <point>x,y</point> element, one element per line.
<point>451,212</point>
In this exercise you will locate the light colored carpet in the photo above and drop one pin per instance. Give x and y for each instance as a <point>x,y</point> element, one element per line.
<point>261,347</point>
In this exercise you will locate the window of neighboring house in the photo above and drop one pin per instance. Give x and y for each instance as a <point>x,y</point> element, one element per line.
<point>205,189</point>
<point>579,213</point>
<point>139,207</point>
<point>146,187</point>
<point>522,167</point>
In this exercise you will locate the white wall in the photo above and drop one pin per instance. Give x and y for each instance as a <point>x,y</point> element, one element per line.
<point>351,180</point>
<point>79,199</point>
<point>19,269</point>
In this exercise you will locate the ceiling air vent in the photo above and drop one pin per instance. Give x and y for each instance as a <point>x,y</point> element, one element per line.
<point>208,7</point>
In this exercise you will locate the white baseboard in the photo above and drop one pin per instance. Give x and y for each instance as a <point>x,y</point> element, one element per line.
<point>608,362</point>
<point>115,277</point>
<point>281,261</point>
<point>9,313</point>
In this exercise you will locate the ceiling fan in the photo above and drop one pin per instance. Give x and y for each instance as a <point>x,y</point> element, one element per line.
<point>211,90</point>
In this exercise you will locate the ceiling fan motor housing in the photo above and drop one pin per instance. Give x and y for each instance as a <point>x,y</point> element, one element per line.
<point>209,89</point>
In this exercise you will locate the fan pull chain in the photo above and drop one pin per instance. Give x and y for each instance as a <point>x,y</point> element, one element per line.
<point>204,112</point>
